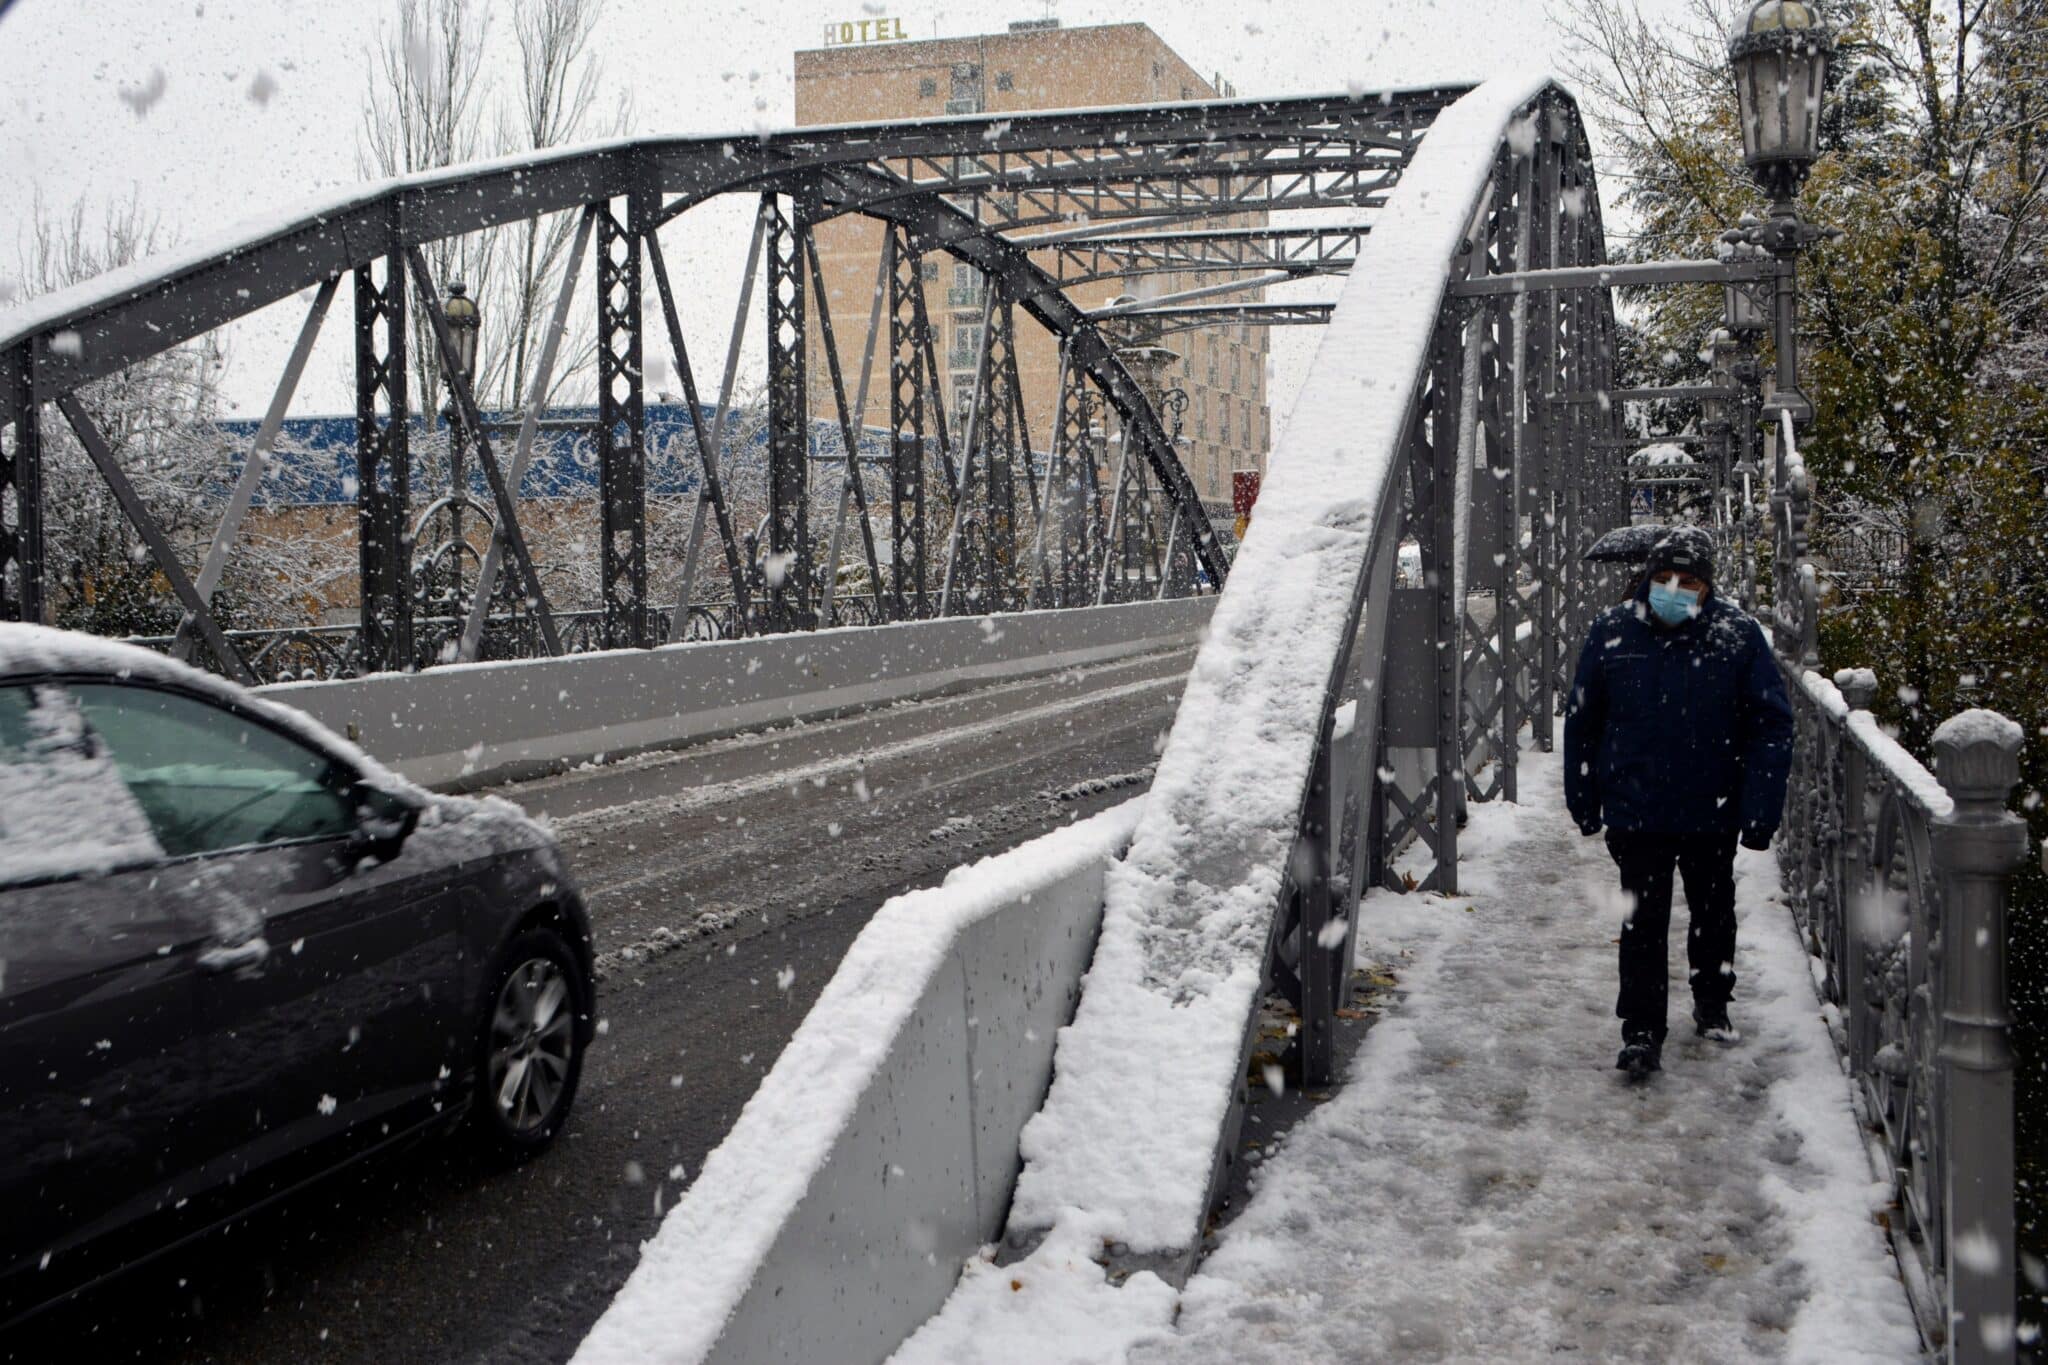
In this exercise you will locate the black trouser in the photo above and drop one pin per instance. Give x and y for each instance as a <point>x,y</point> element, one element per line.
<point>1707,863</point>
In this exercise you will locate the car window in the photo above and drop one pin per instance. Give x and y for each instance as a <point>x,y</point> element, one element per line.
<point>63,809</point>
<point>209,779</point>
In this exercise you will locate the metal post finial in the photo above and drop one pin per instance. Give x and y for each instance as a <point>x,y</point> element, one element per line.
<point>1977,847</point>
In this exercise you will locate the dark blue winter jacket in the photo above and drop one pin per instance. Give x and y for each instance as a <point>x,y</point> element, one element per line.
<point>1677,729</point>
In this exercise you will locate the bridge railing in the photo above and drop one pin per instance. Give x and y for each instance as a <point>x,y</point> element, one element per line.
<point>1898,878</point>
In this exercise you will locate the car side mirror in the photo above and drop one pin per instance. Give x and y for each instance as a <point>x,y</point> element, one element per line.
<point>384,821</point>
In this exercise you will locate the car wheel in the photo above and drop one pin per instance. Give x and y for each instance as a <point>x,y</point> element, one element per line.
<point>530,1047</point>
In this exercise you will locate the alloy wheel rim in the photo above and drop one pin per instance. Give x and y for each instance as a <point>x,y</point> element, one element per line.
<point>532,1044</point>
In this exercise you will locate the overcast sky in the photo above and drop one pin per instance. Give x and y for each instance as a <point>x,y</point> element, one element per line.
<point>212,111</point>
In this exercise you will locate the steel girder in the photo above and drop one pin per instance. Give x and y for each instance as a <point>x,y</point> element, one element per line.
<point>786,564</point>
<point>621,427</point>
<point>383,466</point>
<point>21,499</point>
<point>909,383</point>
<point>1307,251</point>
<point>1175,318</point>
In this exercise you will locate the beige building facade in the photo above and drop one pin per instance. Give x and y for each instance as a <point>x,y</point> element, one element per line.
<point>1036,65</point>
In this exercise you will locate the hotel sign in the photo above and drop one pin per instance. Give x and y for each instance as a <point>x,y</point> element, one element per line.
<point>864,31</point>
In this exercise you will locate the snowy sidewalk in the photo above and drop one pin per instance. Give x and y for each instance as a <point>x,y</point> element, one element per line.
<point>1486,1187</point>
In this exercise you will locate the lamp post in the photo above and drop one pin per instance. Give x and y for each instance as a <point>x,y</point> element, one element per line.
<point>1746,311</point>
<point>465,324</point>
<point>1779,57</point>
<point>1717,411</point>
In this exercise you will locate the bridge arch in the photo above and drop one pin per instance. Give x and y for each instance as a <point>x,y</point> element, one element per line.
<point>1365,703</point>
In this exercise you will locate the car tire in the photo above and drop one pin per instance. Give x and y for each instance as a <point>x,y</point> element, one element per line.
<point>529,1045</point>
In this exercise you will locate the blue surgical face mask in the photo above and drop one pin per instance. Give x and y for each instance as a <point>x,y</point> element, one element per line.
<point>1672,604</point>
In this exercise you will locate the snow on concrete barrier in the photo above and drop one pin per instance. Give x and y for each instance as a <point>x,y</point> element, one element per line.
<point>1127,1139</point>
<point>465,725</point>
<point>879,1152</point>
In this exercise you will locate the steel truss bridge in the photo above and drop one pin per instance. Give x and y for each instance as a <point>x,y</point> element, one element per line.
<point>1003,197</point>
<point>1479,446</point>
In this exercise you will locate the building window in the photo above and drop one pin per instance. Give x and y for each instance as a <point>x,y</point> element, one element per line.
<point>927,88</point>
<point>1186,93</point>
<point>928,271</point>
<point>1004,81</point>
<point>1158,71</point>
<point>966,349</point>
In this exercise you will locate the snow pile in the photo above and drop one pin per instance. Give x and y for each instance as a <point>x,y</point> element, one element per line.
<point>694,1272</point>
<point>1487,1187</point>
<point>1144,1074</point>
<point>1979,726</point>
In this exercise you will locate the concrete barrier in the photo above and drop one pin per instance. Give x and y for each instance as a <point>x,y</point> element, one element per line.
<point>469,725</point>
<point>881,1150</point>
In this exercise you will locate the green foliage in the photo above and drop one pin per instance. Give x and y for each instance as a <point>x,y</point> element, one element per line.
<point>1922,324</point>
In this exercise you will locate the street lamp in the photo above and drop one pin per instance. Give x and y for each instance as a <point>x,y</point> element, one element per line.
<point>464,324</point>
<point>1721,352</point>
<point>1779,58</point>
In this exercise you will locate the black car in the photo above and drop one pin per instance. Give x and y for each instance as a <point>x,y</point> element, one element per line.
<point>235,954</point>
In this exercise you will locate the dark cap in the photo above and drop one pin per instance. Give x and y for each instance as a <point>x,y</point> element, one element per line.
<point>1687,549</point>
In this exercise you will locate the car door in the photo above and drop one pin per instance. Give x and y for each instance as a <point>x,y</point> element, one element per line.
<point>102,1068</point>
<point>337,989</point>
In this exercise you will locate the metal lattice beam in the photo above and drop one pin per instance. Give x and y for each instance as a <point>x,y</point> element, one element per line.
<point>621,428</point>
<point>787,565</point>
<point>908,385</point>
<point>1305,251</point>
<point>383,467</point>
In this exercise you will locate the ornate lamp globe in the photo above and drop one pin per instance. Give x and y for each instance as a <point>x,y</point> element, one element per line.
<point>464,324</point>
<point>1779,55</point>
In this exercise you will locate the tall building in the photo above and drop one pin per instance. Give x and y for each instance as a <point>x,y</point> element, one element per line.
<point>1036,65</point>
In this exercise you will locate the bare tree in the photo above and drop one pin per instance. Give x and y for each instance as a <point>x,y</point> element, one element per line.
<point>559,86</point>
<point>426,109</point>
<point>436,99</point>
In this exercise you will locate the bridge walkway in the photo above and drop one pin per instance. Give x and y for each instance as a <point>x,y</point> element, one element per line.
<point>1485,1187</point>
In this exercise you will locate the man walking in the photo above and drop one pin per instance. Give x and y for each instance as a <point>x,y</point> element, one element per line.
<point>1678,739</point>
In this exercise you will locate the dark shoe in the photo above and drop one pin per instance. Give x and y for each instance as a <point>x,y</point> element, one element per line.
<point>1711,1022</point>
<point>1639,1058</point>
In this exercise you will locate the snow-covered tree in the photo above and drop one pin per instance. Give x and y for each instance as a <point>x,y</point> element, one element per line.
<point>1922,324</point>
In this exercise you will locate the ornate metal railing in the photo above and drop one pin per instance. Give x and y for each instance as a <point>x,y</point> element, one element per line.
<point>1898,878</point>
